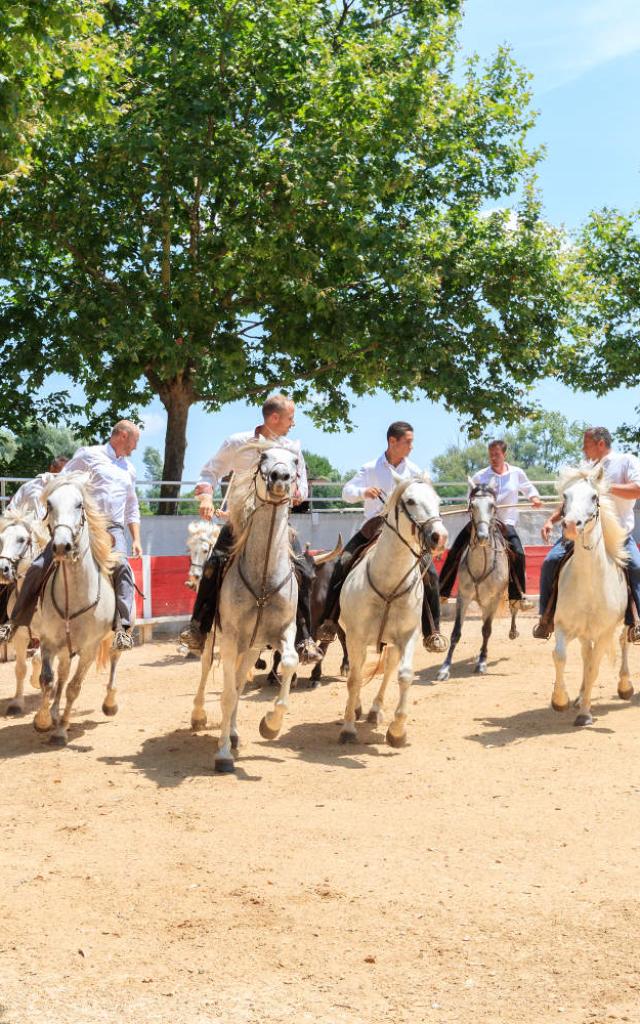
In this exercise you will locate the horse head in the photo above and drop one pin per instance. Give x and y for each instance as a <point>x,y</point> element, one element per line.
<point>276,474</point>
<point>482,509</point>
<point>200,543</point>
<point>66,515</point>
<point>581,503</point>
<point>20,537</point>
<point>420,504</point>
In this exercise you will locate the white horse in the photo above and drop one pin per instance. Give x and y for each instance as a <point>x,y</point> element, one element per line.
<point>592,589</point>
<point>200,543</point>
<point>22,537</point>
<point>77,601</point>
<point>381,600</point>
<point>483,575</point>
<point>259,593</point>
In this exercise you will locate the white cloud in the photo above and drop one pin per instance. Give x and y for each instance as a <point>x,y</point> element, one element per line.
<point>154,424</point>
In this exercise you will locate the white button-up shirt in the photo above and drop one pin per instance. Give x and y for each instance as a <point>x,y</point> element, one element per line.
<point>376,473</point>
<point>113,481</point>
<point>28,495</point>
<point>229,459</point>
<point>622,468</point>
<point>508,486</point>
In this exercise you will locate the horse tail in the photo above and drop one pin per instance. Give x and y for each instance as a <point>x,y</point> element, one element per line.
<point>102,657</point>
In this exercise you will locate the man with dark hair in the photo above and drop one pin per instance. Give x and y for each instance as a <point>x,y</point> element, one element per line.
<point>372,485</point>
<point>277,419</point>
<point>508,482</point>
<point>622,473</point>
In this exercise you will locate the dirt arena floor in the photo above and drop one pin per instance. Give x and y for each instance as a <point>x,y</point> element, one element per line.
<point>488,872</point>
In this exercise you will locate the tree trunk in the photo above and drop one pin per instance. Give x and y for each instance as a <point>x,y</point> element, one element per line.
<point>177,396</point>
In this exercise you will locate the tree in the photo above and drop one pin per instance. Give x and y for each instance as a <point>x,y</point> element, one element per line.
<point>605,329</point>
<point>291,194</point>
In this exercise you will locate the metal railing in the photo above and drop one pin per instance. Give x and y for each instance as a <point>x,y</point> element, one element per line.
<point>319,499</point>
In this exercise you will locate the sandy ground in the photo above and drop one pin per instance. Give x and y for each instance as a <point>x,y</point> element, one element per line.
<point>488,872</point>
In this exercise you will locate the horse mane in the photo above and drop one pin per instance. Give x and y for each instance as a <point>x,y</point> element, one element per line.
<point>204,530</point>
<point>397,492</point>
<point>99,538</point>
<point>242,495</point>
<point>613,533</point>
<point>24,516</point>
<point>481,489</point>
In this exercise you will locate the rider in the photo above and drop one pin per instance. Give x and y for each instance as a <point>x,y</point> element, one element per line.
<point>113,487</point>
<point>372,484</point>
<point>277,420</point>
<point>28,495</point>
<point>508,482</point>
<point>622,473</point>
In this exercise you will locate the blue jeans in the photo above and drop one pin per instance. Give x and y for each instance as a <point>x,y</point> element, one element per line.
<point>551,564</point>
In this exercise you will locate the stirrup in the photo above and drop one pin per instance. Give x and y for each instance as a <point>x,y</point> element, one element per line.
<point>193,637</point>
<point>327,631</point>
<point>6,632</point>
<point>633,633</point>
<point>122,641</point>
<point>436,643</point>
<point>542,629</point>
<point>309,652</point>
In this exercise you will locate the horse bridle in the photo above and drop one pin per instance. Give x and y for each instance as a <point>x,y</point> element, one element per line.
<point>15,562</point>
<point>75,534</point>
<point>482,491</point>
<point>594,517</point>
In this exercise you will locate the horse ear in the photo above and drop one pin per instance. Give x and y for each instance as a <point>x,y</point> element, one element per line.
<point>471,483</point>
<point>598,475</point>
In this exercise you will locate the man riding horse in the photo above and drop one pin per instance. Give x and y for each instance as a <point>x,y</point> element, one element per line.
<point>372,485</point>
<point>622,473</point>
<point>278,418</point>
<point>507,481</point>
<point>113,479</point>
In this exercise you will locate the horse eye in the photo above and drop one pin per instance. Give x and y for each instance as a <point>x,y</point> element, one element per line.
<point>411,501</point>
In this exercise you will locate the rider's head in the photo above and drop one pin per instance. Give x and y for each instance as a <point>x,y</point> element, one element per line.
<point>124,437</point>
<point>278,415</point>
<point>497,452</point>
<point>596,443</point>
<point>399,441</point>
<point>58,463</point>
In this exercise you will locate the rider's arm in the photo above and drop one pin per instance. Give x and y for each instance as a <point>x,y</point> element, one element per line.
<point>136,546</point>
<point>528,489</point>
<point>354,489</point>
<point>554,518</point>
<point>220,465</point>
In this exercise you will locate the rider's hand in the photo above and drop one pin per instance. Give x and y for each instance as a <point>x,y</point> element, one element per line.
<point>536,501</point>
<point>205,507</point>
<point>372,492</point>
<point>136,550</point>
<point>546,531</point>
<point>221,513</point>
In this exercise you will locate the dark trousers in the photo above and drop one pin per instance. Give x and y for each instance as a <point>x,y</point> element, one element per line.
<point>553,563</point>
<point>123,584</point>
<point>205,608</point>
<point>517,565</point>
<point>5,593</point>
<point>370,530</point>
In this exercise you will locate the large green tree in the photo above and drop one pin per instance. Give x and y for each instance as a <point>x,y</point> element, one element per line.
<point>293,194</point>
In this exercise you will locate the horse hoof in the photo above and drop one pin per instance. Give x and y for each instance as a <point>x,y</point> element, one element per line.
<point>442,675</point>
<point>261,664</point>
<point>235,742</point>
<point>344,668</point>
<point>266,731</point>
<point>56,740</point>
<point>559,707</point>
<point>584,720</point>
<point>316,675</point>
<point>109,710</point>
<point>224,765</point>
<point>347,737</point>
<point>39,727</point>
<point>198,722</point>
<point>622,694</point>
<point>513,634</point>
<point>373,718</point>
<point>14,710</point>
<point>273,679</point>
<point>396,741</point>
<point>481,668</point>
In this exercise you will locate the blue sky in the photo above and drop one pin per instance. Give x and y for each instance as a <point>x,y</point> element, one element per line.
<point>584,56</point>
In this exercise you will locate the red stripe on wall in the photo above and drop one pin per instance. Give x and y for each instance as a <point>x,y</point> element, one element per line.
<point>169,596</point>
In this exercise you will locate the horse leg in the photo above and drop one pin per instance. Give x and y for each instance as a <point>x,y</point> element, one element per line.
<point>63,669</point>
<point>591,657</point>
<point>397,731</point>
<point>625,686</point>
<point>243,673</point>
<point>487,625</point>
<point>560,697</point>
<point>344,667</point>
<point>42,721</point>
<point>316,674</point>
<point>390,662</point>
<point>445,668</point>
<point>198,714</point>
<point>228,699</point>
<point>273,679</point>
<point>357,651</point>
<point>110,704</point>
<point>59,736</point>
<point>271,724</point>
<point>16,705</point>
<point>513,632</point>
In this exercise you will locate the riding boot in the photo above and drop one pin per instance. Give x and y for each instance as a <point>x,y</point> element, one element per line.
<point>124,587</point>
<point>549,573</point>
<point>27,599</point>
<point>449,570</point>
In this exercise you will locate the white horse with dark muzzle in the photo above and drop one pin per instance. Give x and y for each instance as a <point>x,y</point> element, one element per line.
<point>259,593</point>
<point>78,600</point>
<point>22,537</point>
<point>592,588</point>
<point>381,599</point>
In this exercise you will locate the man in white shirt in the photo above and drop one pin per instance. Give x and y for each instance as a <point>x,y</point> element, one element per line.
<point>277,419</point>
<point>371,485</point>
<point>28,494</point>
<point>113,479</point>
<point>622,472</point>
<point>508,482</point>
